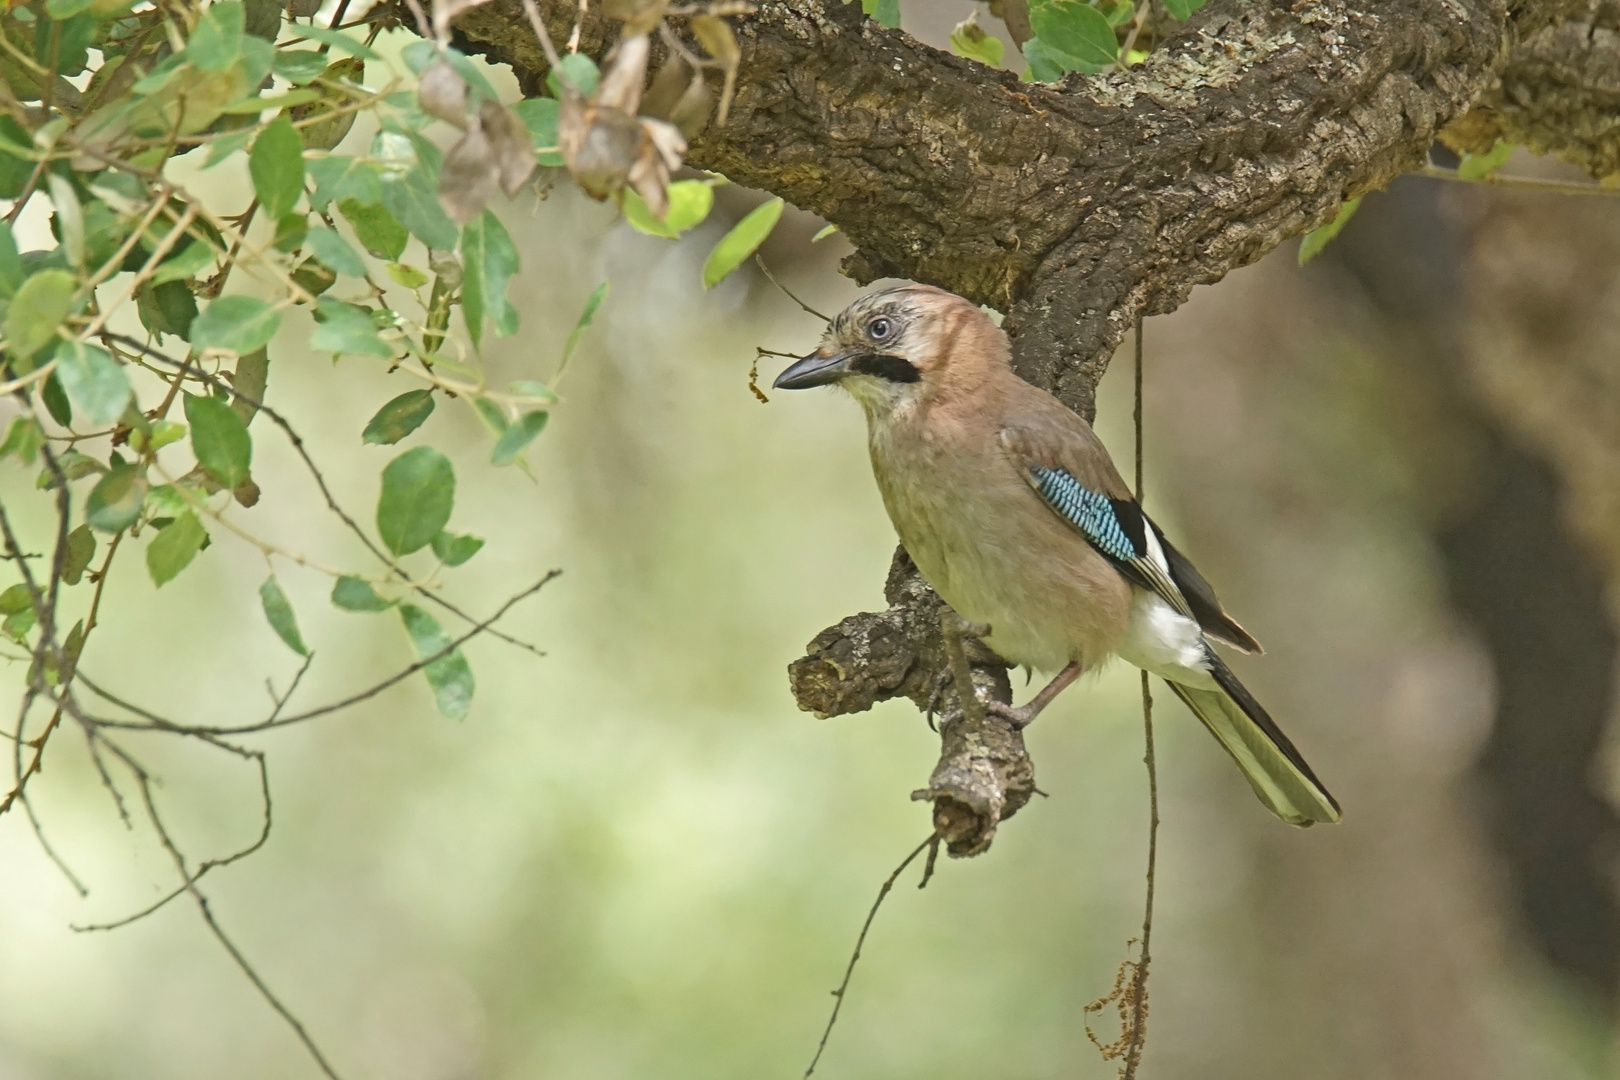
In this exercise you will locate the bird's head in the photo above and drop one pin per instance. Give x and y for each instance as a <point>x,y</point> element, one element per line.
<point>896,346</point>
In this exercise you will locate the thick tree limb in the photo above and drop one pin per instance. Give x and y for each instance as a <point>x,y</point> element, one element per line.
<point>1075,209</point>
<point>1558,94</point>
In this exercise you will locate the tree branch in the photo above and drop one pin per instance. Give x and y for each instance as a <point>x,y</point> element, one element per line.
<point>1075,209</point>
<point>1558,94</point>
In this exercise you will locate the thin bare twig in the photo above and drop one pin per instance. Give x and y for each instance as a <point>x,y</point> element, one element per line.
<point>155,721</point>
<point>143,780</point>
<point>849,970</point>
<point>1130,991</point>
<point>786,292</point>
<point>320,479</point>
<point>1527,183</point>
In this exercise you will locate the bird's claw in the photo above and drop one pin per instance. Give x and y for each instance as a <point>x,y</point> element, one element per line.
<point>1019,717</point>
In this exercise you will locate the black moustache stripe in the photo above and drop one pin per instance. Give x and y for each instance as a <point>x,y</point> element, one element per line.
<point>893,368</point>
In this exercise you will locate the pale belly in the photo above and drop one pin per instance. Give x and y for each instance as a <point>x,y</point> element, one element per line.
<point>1000,557</point>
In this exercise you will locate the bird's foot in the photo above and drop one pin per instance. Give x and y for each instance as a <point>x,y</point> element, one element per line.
<point>941,682</point>
<point>1019,716</point>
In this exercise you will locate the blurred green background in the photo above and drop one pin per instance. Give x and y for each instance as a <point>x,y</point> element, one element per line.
<point>636,858</point>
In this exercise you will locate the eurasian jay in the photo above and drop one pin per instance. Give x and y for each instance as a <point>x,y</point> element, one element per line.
<point>1014,513</point>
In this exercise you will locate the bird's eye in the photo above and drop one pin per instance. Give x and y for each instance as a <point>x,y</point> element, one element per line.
<point>879,329</point>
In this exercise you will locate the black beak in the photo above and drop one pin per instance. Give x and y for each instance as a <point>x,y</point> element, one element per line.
<point>813,370</point>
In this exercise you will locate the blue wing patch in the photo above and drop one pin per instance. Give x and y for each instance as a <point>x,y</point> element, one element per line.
<point>1092,513</point>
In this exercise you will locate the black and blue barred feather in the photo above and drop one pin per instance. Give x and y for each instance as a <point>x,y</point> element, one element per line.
<point>1118,529</point>
<point>1094,514</point>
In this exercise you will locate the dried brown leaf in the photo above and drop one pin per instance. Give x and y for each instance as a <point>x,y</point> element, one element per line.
<point>721,43</point>
<point>443,94</point>
<point>659,154</point>
<point>469,177</point>
<point>691,112</point>
<point>599,146</point>
<point>667,87</point>
<point>639,16</point>
<point>624,72</point>
<point>511,144</point>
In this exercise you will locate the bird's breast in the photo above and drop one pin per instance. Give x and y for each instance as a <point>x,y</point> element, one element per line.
<point>987,544</point>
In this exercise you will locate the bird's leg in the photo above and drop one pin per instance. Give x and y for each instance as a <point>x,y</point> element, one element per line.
<point>1022,717</point>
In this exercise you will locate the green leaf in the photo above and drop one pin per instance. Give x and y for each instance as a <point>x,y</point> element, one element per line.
<point>15,165</point>
<point>1317,239</point>
<point>1045,63</point>
<point>580,69</point>
<point>225,145</point>
<point>17,626</point>
<point>883,12</point>
<point>326,245</point>
<point>68,221</point>
<point>418,491</point>
<point>399,418</point>
<point>72,465</point>
<point>24,439</point>
<point>81,548</point>
<point>353,594</point>
<point>115,502</point>
<point>1479,166</point>
<point>217,41</point>
<point>970,40</point>
<point>414,200</point>
<point>489,262</point>
<point>165,432</point>
<point>378,229</point>
<point>65,9</point>
<point>1182,9</point>
<point>172,549</point>
<point>449,675</point>
<point>1076,29</point>
<point>220,440</point>
<point>741,242</point>
<point>528,388</point>
<point>11,267</point>
<point>40,307</point>
<point>585,317</point>
<point>689,204</point>
<point>278,609</point>
<point>16,598</point>
<point>56,401</point>
<point>454,550</point>
<point>170,308</point>
<point>539,115</point>
<point>276,164</point>
<point>340,42</point>
<point>299,66</point>
<point>345,328</point>
<point>490,413</point>
<point>165,501</point>
<point>518,436</point>
<point>407,275</point>
<point>238,323</point>
<point>291,229</point>
<point>96,383</point>
<point>338,178</point>
<point>188,262</point>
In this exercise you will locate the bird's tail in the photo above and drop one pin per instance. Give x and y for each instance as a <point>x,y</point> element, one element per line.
<point>1273,767</point>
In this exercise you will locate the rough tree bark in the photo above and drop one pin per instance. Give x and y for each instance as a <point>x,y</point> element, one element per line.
<point>1078,208</point>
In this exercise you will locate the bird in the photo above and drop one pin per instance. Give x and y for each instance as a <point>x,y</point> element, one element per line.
<point>1014,513</point>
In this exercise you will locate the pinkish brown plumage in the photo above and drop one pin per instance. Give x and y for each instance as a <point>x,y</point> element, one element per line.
<point>1013,511</point>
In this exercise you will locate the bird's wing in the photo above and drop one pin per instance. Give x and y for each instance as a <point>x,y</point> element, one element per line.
<point>1071,471</point>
